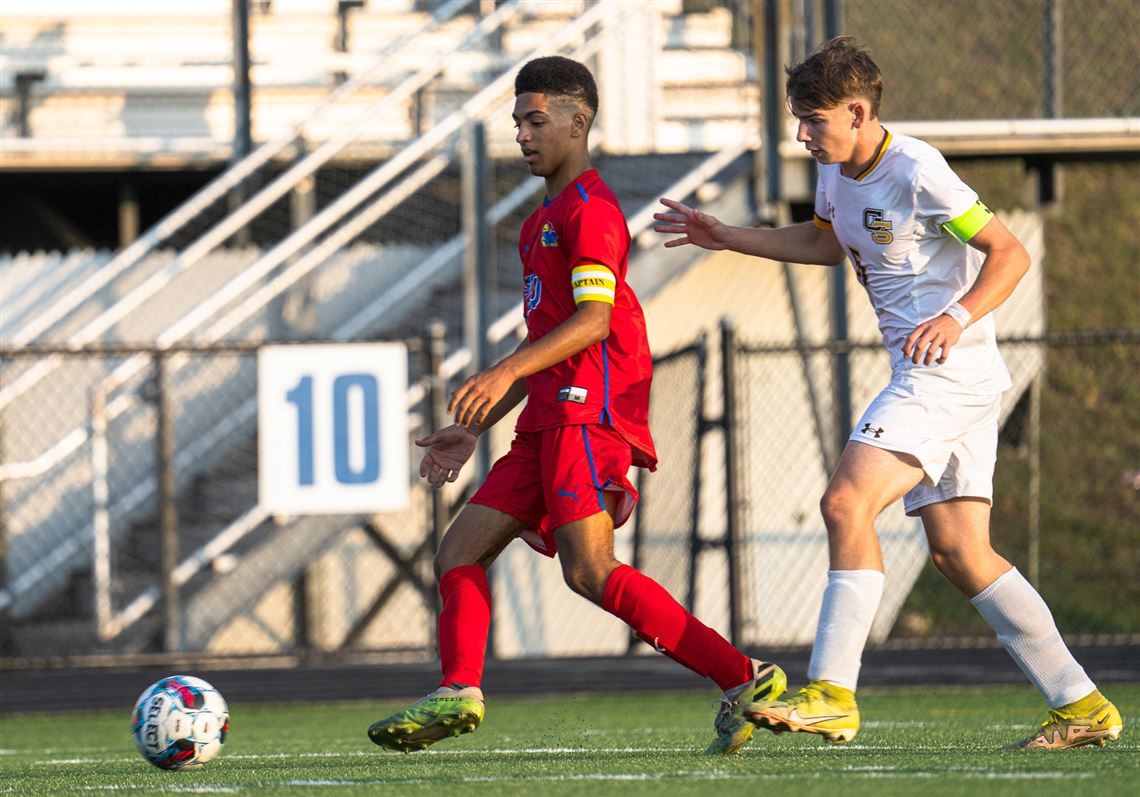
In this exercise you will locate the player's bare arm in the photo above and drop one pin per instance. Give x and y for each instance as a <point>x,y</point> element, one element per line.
<point>474,400</point>
<point>449,449</point>
<point>1005,264</point>
<point>796,243</point>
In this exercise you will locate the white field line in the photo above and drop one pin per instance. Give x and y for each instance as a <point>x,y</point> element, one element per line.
<point>703,775</point>
<point>528,751</point>
<point>855,747</point>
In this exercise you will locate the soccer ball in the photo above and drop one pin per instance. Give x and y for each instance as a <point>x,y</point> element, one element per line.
<point>180,722</point>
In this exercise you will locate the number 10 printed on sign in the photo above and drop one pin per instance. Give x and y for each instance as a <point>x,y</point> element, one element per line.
<point>332,428</point>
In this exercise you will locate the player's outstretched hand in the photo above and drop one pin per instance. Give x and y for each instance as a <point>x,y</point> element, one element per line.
<point>447,451</point>
<point>694,227</point>
<point>931,340</point>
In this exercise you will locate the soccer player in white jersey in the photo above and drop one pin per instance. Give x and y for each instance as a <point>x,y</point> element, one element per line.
<point>935,263</point>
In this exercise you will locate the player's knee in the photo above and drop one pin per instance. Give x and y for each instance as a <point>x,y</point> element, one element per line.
<point>840,508</point>
<point>949,558</point>
<point>587,580</point>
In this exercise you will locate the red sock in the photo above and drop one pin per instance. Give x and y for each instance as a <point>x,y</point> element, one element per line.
<point>463,624</point>
<point>660,621</point>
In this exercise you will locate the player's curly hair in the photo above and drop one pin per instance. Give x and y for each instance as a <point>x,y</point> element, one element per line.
<point>559,77</point>
<point>838,70</point>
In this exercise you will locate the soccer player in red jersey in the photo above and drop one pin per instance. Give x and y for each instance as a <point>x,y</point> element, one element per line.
<point>585,371</point>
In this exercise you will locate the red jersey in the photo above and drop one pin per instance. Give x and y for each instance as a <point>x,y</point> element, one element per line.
<point>575,248</point>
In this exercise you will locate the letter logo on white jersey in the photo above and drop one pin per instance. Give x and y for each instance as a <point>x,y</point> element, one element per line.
<point>880,228</point>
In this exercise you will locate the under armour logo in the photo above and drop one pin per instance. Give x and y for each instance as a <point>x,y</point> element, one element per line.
<point>867,430</point>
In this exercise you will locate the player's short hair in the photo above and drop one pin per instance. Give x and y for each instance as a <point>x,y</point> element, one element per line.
<point>838,70</point>
<point>561,78</point>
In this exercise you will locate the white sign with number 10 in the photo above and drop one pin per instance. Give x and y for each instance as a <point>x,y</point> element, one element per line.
<point>333,428</point>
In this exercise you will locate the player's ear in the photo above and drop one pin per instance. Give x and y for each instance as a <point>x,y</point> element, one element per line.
<point>579,124</point>
<point>858,112</point>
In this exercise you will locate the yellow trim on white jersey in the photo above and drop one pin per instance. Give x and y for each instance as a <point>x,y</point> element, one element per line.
<point>878,156</point>
<point>593,282</point>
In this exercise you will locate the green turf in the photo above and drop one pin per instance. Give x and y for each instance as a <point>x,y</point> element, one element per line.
<point>939,741</point>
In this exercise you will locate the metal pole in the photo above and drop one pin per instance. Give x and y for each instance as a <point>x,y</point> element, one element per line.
<point>842,362</point>
<point>167,512</point>
<point>832,18</point>
<point>101,520</point>
<point>837,290</point>
<point>1054,61</point>
<point>1050,182</point>
<point>733,514</point>
<point>773,103</point>
<point>435,350</point>
<point>696,545</point>
<point>476,271</point>
<point>243,140</point>
<point>243,136</point>
<point>1034,532</point>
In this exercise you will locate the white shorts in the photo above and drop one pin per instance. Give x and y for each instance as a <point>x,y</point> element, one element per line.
<point>954,438</point>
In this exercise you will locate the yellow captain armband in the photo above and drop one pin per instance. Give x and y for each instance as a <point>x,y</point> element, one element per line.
<point>820,222</point>
<point>969,223</point>
<point>593,282</point>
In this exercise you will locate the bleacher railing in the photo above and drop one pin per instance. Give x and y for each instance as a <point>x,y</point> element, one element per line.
<point>353,220</point>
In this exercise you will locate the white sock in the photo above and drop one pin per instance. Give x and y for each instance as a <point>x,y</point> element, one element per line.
<point>1025,627</point>
<point>849,605</point>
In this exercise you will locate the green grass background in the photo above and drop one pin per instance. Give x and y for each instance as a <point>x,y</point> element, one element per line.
<point>929,741</point>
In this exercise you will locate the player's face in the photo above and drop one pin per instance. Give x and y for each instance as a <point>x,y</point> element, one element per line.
<point>828,133</point>
<point>545,132</point>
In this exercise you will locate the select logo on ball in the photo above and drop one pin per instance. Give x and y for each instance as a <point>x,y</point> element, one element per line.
<point>180,723</point>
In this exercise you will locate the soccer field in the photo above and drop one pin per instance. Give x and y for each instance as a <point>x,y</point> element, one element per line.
<point>933,741</point>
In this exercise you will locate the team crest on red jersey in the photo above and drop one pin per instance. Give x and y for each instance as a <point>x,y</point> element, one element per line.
<point>549,236</point>
<point>532,293</point>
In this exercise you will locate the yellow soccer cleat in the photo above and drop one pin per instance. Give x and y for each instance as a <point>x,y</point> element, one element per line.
<point>820,707</point>
<point>448,711</point>
<point>733,731</point>
<point>1090,720</point>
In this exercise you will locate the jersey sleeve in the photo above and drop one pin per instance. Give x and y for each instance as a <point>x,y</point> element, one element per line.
<point>599,251</point>
<point>821,217</point>
<point>944,201</point>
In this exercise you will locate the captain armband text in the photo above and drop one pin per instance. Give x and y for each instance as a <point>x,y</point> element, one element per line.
<point>593,283</point>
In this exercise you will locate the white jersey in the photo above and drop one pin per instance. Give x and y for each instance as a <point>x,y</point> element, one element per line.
<point>904,223</point>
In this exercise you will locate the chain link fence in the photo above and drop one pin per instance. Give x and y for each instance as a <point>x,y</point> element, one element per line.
<point>729,524</point>
<point>974,59</point>
<point>667,540</point>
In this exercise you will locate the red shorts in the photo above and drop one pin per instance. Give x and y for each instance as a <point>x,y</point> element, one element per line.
<point>557,476</point>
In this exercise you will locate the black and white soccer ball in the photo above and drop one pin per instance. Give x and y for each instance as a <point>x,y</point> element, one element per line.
<point>180,723</point>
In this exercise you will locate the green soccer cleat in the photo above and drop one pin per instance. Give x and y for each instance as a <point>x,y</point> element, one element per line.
<point>1090,720</point>
<point>820,707</point>
<point>733,731</point>
<point>448,711</point>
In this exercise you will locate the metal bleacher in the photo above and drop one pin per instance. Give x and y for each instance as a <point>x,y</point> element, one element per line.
<point>120,88</point>
<point>187,281</point>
